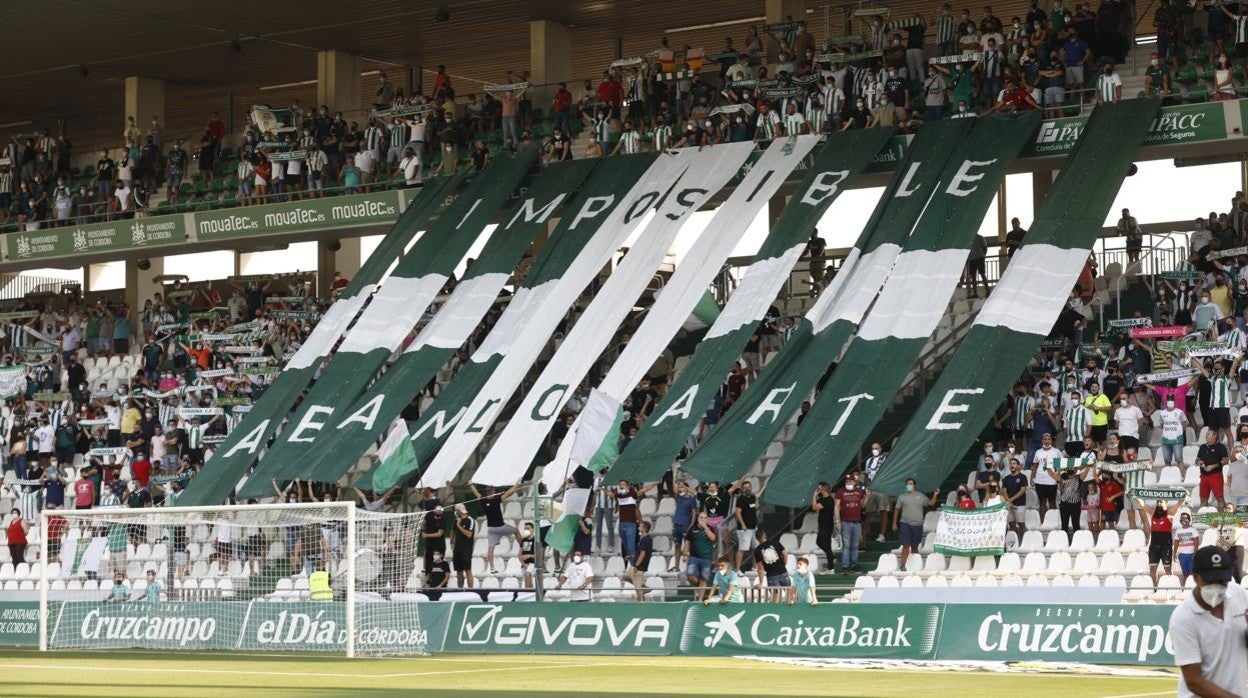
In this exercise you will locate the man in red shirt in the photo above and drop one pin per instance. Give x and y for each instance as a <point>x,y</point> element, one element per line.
<point>1111,499</point>
<point>848,516</point>
<point>56,531</point>
<point>561,104</point>
<point>610,92</point>
<point>141,468</point>
<point>84,493</point>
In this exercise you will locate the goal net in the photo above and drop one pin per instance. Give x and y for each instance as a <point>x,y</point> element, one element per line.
<point>317,576</point>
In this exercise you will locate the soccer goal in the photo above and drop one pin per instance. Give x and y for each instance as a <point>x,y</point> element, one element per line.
<point>322,577</point>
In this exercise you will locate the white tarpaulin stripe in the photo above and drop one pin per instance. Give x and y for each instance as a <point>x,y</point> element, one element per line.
<point>1037,274</point>
<point>759,287</point>
<point>528,335</point>
<point>395,310</point>
<point>329,329</point>
<point>509,326</point>
<point>916,296</point>
<point>688,283</point>
<point>857,294</point>
<point>459,316</point>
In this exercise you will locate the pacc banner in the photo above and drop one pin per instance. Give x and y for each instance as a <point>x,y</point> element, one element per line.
<point>98,237</point>
<point>336,212</point>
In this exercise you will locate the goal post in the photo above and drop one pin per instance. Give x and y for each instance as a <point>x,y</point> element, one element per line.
<point>320,576</point>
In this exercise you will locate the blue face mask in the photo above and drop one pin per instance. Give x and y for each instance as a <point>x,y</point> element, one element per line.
<point>909,488</point>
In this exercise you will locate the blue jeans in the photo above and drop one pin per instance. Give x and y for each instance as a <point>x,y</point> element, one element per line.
<point>1171,453</point>
<point>602,514</point>
<point>851,534</point>
<point>628,541</point>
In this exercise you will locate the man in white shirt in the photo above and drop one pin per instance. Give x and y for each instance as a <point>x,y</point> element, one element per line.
<point>1044,472</point>
<point>410,166</point>
<point>1209,630</point>
<point>1237,475</point>
<point>579,576</point>
<point>1129,419</point>
<point>364,162</point>
<point>45,437</point>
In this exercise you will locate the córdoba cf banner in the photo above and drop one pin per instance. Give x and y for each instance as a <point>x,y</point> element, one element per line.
<point>1026,302</point>
<point>680,295</point>
<point>402,300</point>
<point>330,445</point>
<point>905,315</point>
<point>972,532</point>
<point>578,249</point>
<point>745,430</point>
<point>658,441</point>
<point>230,462</point>
<point>705,172</point>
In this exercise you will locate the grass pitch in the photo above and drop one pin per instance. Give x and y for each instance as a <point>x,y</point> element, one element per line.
<point>223,674</point>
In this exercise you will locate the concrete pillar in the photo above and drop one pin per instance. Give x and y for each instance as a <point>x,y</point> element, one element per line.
<point>141,285</point>
<point>338,82</point>
<point>145,98</point>
<point>345,260</point>
<point>780,11</point>
<point>550,59</point>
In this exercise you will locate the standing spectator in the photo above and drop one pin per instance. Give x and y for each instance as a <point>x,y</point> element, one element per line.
<point>1109,89</point>
<point>699,551</point>
<point>561,105</point>
<point>495,525</point>
<point>771,563</point>
<point>1186,539</point>
<point>579,576</point>
<point>746,514</point>
<point>1129,228</point>
<point>848,516</point>
<point>976,266</point>
<point>716,506</point>
<point>17,530</point>
<point>1015,487</point>
<point>682,520</point>
<point>1211,458</point>
<point>908,517</point>
<point>641,565</point>
<point>1070,499</point>
<point>604,516</point>
<point>877,502</point>
<point>1044,474</point>
<point>527,555</point>
<point>825,505</point>
<point>465,537</point>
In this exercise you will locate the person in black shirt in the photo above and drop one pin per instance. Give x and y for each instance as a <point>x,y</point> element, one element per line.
<point>824,505</point>
<point>434,535</point>
<point>771,562</point>
<point>528,555</point>
<point>465,536</point>
<point>437,574</point>
<point>637,571</point>
<point>1212,456</point>
<point>746,513</point>
<point>717,506</point>
<point>495,526</point>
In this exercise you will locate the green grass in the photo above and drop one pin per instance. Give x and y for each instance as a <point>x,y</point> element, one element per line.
<point>222,674</point>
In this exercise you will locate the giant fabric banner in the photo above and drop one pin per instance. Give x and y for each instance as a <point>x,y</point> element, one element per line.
<point>680,295</point>
<point>239,450</point>
<point>554,283</point>
<point>650,453</point>
<point>908,310</point>
<point>507,461</point>
<point>971,532</point>
<point>473,296</point>
<point>747,429</point>
<point>704,173</point>
<point>1025,304</point>
<point>402,300</point>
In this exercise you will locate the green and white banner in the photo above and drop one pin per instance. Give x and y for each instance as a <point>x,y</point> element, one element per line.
<point>12,380</point>
<point>680,294</point>
<point>972,532</point>
<point>747,429</point>
<point>578,248</point>
<point>509,458</point>
<point>650,453</point>
<point>905,315</point>
<point>702,173</point>
<point>1025,304</point>
<point>1162,492</point>
<point>326,447</point>
<point>240,450</point>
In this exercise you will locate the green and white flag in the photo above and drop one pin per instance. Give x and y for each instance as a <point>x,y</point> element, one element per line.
<point>1026,302</point>
<point>325,448</point>
<point>12,380</point>
<point>704,313</point>
<point>747,429</point>
<point>679,296</point>
<point>971,532</point>
<point>395,457</point>
<point>906,313</point>
<point>1162,492</point>
<point>846,154</point>
<point>239,452</point>
<point>704,173</point>
<point>575,251</point>
<point>602,414</point>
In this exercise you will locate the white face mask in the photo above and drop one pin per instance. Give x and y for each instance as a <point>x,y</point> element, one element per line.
<point>849,485</point>
<point>1213,594</point>
<point>875,451</point>
<point>1169,404</point>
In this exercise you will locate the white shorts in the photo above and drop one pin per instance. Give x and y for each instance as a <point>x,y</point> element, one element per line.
<point>745,539</point>
<point>1018,514</point>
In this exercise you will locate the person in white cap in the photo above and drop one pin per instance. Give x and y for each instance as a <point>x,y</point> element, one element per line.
<point>1209,630</point>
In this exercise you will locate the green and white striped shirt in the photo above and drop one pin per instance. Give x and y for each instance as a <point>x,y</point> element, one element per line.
<point>816,119</point>
<point>194,436</point>
<point>793,123</point>
<point>1077,419</point>
<point>662,137</point>
<point>946,25</point>
<point>1234,338</point>
<point>767,126</point>
<point>1108,86</point>
<point>1022,411</point>
<point>630,142</point>
<point>1219,392</point>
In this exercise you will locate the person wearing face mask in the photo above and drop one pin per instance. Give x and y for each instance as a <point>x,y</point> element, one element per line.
<point>527,555</point>
<point>1218,416</point>
<point>908,515</point>
<point>1186,538</point>
<point>1128,420</point>
<point>1157,77</point>
<point>437,576</point>
<point>767,125</point>
<point>1223,79</point>
<point>848,516</point>
<point>1173,422</point>
<point>1161,538</point>
<point>1077,422</point>
<point>1014,489</point>
<point>877,502</point>
<point>579,578</point>
<point>1209,630</point>
<point>1044,474</point>
<point>934,88</point>
<point>857,116</point>
<point>1100,407</point>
